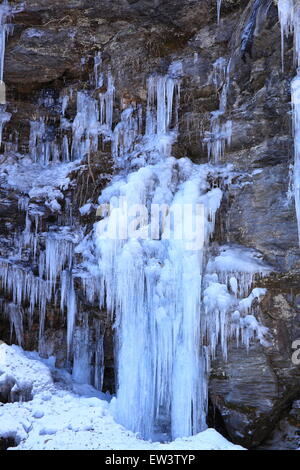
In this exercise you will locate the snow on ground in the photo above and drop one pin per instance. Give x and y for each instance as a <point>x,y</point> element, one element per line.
<point>57,418</point>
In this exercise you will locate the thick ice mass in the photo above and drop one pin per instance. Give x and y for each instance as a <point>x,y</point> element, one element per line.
<point>153,284</point>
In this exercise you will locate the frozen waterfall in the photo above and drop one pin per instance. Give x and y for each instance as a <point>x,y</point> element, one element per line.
<point>151,274</point>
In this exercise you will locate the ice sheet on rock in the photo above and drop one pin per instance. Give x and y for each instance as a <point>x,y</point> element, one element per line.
<point>220,132</point>
<point>228,298</point>
<point>24,287</point>
<point>165,334</point>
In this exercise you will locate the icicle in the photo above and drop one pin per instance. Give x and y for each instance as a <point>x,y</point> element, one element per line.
<point>106,101</point>
<point>168,393</point>
<point>4,118</point>
<point>25,288</point>
<point>286,18</point>
<point>161,90</point>
<point>64,105</point>
<point>68,299</point>
<point>58,253</point>
<point>125,134</point>
<point>5,29</point>
<point>289,16</point>
<point>99,78</point>
<point>71,310</point>
<point>15,315</point>
<point>228,298</point>
<point>219,4</point>
<point>220,130</point>
<point>42,148</point>
<point>65,149</point>
<point>85,126</point>
<point>88,356</point>
<point>2,93</point>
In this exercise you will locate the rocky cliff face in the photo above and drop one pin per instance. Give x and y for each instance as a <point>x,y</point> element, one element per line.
<point>254,394</point>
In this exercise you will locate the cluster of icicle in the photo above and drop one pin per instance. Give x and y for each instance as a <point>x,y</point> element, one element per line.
<point>30,293</point>
<point>54,278</point>
<point>154,286</point>
<point>229,303</point>
<point>80,137</point>
<point>289,17</point>
<point>36,291</point>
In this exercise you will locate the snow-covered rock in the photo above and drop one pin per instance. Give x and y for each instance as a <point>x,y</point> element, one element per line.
<point>58,419</point>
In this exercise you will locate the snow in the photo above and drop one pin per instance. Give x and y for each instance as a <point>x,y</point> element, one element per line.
<point>59,419</point>
<point>219,4</point>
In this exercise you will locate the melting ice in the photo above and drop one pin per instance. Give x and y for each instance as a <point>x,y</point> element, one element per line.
<point>153,285</point>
